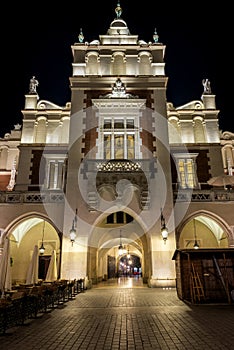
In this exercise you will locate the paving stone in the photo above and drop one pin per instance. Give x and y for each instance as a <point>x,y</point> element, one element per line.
<point>108,317</point>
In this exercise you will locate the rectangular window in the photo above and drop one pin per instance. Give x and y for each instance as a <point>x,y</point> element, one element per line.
<point>107,146</point>
<point>51,175</point>
<point>190,173</point>
<point>118,138</point>
<point>119,146</point>
<point>61,175</point>
<point>119,124</point>
<point>107,124</point>
<point>130,146</point>
<point>186,173</point>
<point>56,174</point>
<point>130,124</point>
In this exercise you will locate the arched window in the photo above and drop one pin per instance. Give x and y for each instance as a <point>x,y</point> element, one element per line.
<point>119,217</point>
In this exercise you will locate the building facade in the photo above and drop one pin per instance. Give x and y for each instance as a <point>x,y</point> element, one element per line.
<point>107,172</point>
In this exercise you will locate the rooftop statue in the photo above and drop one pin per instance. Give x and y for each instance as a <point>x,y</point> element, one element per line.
<point>81,36</point>
<point>207,87</point>
<point>155,36</point>
<point>33,85</point>
<point>118,10</point>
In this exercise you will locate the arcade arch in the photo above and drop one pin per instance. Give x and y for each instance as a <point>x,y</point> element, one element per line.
<point>103,252</point>
<point>209,231</point>
<point>24,234</point>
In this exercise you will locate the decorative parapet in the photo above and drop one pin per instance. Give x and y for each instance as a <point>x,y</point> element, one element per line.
<point>118,166</point>
<point>31,197</point>
<point>190,195</point>
<point>147,166</point>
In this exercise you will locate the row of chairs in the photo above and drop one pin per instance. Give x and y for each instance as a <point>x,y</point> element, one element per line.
<point>29,301</point>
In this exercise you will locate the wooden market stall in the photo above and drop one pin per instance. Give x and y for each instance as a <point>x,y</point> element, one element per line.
<point>205,275</point>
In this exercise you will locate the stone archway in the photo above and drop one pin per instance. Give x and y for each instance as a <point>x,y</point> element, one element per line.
<point>24,235</point>
<point>207,230</point>
<point>104,243</point>
<point>129,265</point>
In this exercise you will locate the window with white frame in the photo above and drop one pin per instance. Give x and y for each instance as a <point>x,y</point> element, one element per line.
<point>55,172</point>
<point>119,138</point>
<point>187,170</point>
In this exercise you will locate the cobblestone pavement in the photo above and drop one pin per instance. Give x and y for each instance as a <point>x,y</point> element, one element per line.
<point>111,317</point>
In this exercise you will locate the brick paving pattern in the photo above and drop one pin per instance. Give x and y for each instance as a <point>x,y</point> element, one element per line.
<point>107,318</point>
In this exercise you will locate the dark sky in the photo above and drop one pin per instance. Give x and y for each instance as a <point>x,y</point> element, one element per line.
<point>196,38</point>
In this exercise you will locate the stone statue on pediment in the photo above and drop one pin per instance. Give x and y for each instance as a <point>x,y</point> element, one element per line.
<point>207,87</point>
<point>118,10</point>
<point>33,85</point>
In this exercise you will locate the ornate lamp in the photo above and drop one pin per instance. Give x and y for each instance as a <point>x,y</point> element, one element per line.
<point>42,248</point>
<point>164,229</point>
<point>196,245</point>
<point>73,229</point>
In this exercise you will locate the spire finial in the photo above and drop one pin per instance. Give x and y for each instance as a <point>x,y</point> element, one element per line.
<point>155,36</point>
<point>118,10</point>
<point>81,36</point>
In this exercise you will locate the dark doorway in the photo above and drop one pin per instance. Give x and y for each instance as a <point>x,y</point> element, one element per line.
<point>111,267</point>
<point>44,261</point>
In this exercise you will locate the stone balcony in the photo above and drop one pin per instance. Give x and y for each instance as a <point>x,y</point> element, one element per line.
<point>106,175</point>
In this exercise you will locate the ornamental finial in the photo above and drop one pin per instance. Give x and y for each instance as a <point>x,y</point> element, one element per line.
<point>81,36</point>
<point>118,10</point>
<point>155,36</point>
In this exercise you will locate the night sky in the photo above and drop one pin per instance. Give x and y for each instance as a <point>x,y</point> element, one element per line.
<point>196,38</point>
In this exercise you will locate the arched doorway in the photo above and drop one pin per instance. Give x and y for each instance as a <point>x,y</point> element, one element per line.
<point>129,266</point>
<point>27,233</point>
<point>104,256</point>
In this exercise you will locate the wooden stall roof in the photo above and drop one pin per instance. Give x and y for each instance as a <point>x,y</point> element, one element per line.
<point>202,251</point>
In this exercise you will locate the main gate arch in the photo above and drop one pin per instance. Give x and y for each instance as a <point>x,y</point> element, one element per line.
<point>103,256</point>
